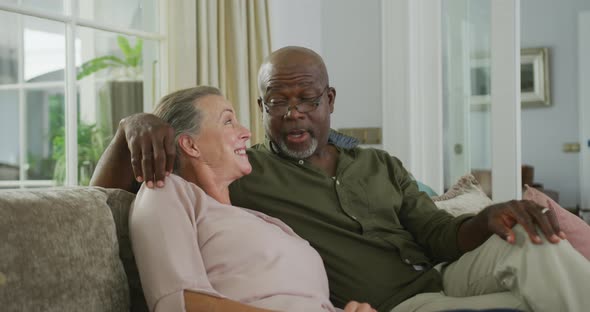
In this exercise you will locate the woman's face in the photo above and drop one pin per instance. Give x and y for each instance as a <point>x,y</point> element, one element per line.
<point>222,139</point>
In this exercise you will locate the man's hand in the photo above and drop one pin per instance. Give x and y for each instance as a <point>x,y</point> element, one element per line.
<point>501,218</point>
<point>151,144</point>
<point>354,306</point>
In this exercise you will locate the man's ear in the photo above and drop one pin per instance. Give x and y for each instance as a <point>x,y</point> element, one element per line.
<point>189,146</point>
<point>331,98</point>
<point>260,104</point>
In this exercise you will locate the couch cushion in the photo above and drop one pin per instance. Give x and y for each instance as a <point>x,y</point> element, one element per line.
<point>120,202</point>
<point>466,196</point>
<point>576,230</point>
<point>59,252</point>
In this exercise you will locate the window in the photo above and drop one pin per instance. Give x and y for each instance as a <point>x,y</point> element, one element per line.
<point>69,71</point>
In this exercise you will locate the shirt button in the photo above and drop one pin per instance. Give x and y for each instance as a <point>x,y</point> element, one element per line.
<point>337,182</point>
<point>353,217</point>
<point>333,178</point>
<point>301,162</point>
<point>407,261</point>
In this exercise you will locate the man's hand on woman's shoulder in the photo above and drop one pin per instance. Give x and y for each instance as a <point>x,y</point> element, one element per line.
<point>151,144</point>
<point>143,149</point>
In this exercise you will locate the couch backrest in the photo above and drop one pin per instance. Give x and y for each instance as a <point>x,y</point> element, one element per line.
<point>67,249</point>
<point>120,201</point>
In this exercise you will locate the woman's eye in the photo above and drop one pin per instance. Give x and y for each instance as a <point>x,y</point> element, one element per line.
<point>228,122</point>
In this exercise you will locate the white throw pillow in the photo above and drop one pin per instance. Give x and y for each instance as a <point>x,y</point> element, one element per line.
<point>466,196</point>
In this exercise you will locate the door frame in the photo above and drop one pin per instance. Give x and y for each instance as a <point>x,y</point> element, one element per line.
<point>412,119</point>
<point>505,99</point>
<point>412,63</point>
<point>584,107</point>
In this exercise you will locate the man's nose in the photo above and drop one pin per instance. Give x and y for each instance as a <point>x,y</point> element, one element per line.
<point>292,112</point>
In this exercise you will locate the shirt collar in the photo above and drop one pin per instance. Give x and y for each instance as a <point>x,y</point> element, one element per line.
<point>335,138</point>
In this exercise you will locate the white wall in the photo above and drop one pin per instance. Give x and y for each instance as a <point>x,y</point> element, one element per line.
<point>548,23</point>
<point>295,23</point>
<point>351,38</point>
<point>347,34</point>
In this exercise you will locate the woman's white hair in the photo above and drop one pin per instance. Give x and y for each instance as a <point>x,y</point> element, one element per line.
<point>178,109</point>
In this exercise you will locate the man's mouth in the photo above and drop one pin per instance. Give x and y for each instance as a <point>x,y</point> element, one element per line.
<point>297,135</point>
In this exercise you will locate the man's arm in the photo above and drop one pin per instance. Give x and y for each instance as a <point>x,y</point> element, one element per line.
<point>501,218</point>
<point>434,230</point>
<point>143,149</point>
<point>114,166</point>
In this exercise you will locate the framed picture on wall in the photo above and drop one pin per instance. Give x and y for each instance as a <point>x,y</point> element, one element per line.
<point>480,83</point>
<point>534,79</point>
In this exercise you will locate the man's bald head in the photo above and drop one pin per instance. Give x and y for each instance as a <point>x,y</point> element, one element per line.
<point>291,59</point>
<point>296,73</point>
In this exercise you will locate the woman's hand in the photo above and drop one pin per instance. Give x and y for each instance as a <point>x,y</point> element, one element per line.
<point>354,306</point>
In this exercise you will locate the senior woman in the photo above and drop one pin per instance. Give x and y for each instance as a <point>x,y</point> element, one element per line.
<point>197,252</point>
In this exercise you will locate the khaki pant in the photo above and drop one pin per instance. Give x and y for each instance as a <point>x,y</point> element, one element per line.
<point>524,276</point>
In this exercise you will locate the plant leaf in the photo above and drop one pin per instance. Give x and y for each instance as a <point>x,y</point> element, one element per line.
<point>124,46</point>
<point>136,58</point>
<point>138,46</point>
<point>97,64</point>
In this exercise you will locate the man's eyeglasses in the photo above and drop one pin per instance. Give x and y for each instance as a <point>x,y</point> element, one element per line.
<point>281,108</point>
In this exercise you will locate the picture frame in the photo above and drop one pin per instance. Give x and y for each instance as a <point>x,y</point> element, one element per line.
<point>534,77</point>
<point>534,80</point>
<point>480,83</point>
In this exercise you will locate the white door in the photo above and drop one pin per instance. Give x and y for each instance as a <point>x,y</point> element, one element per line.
<point>584,99</point>
<point>481,90</point>
<point>424,64</point>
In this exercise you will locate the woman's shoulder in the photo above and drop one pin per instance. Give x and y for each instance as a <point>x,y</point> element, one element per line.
<point>174,187</point>
<point>172,183</point>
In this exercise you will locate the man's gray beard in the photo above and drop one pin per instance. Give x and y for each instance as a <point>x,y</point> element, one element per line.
<point>298,154</point>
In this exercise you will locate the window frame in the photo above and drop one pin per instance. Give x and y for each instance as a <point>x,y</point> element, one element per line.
<point>71,23</point>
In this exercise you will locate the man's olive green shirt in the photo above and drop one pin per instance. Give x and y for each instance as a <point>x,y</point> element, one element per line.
<point>378,235</point>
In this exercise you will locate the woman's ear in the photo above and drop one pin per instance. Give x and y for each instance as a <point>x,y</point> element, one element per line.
<point>188,146</point>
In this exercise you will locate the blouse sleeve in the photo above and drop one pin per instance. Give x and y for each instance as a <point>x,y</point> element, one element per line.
<point>164,236</point>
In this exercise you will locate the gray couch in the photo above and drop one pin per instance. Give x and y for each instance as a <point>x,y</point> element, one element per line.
<point>67,249</point>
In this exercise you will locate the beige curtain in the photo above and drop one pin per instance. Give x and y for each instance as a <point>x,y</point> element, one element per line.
<point>232,41</point>
<point>181,71</point>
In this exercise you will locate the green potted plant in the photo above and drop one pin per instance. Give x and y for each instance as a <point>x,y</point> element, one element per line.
<point>120,96</point>
<point>128,67</point>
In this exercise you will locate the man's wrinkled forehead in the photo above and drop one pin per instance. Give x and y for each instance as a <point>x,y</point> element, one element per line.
<point>276,76</point>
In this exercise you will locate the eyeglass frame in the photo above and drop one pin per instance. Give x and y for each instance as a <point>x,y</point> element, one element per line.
<point>315,101</point>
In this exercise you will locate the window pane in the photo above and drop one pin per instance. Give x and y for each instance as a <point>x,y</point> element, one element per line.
<point>134,14</point>
<point>9,126</point>
<point>114,82</point>
<point>45,50</point>
<point>45,134</point>
<point>52,6</point>
<point>8,48</point>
